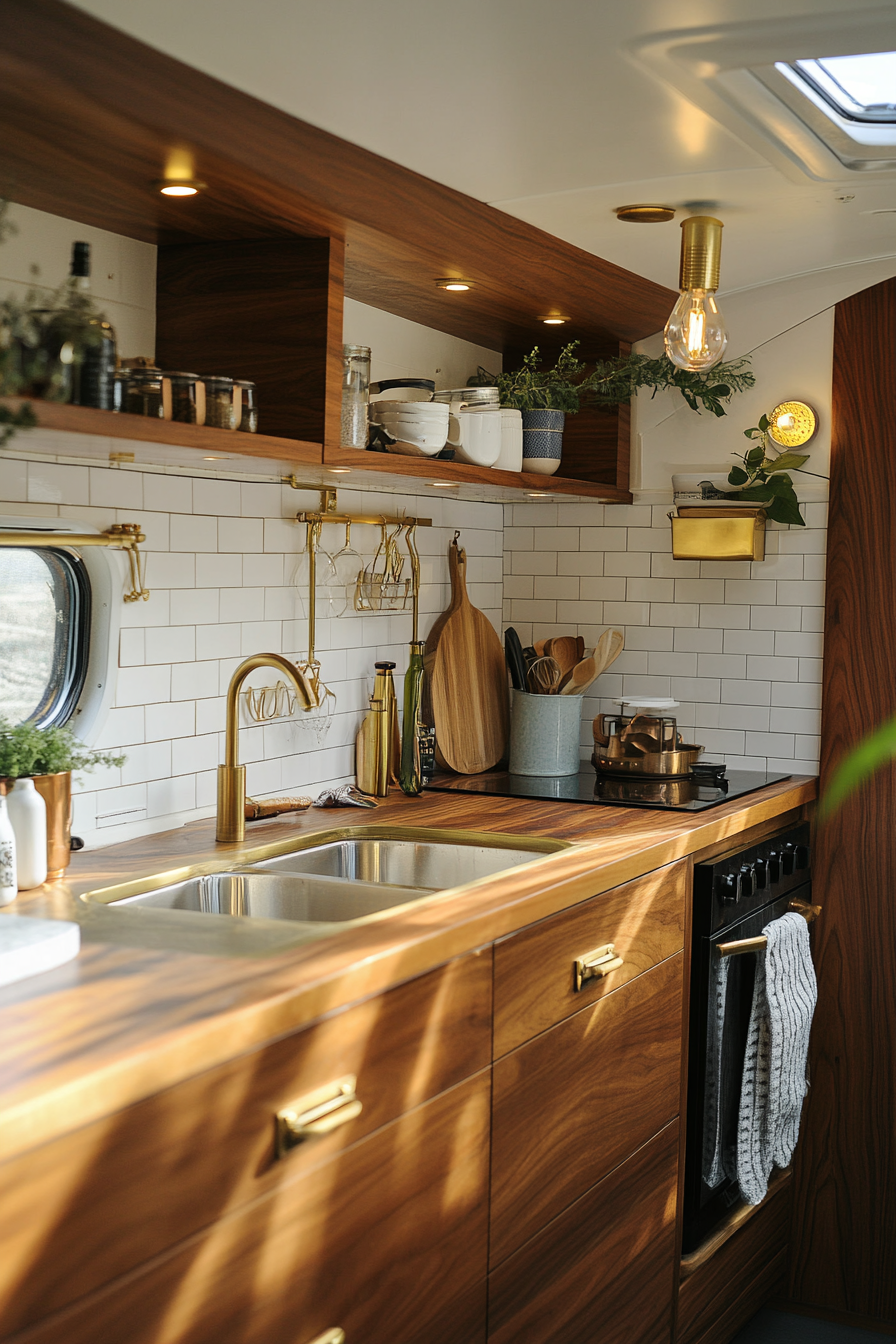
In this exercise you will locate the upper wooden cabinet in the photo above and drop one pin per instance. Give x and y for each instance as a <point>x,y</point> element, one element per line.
<point>89,117</point>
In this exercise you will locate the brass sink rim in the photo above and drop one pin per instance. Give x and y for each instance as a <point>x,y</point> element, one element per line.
<point>140,886</point>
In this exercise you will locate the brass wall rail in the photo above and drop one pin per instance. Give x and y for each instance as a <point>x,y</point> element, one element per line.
<point>809,913</point>
<point>120,537</point>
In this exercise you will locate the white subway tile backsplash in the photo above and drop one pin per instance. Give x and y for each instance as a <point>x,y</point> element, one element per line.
<point>770,744</point>
<point>806,593</point>
<point>626,563</point>
<point>757,592</point>
<point>219,641</point>
<point>772,669</point>
<point>650,590</point>
<point>801,695</point>
<point>748,641</point>
<point>115,488</point>
<point>697,640</point>
<point>584,563</point>
<point>802,645</point>
<point>131,648</point>
<point>746,692</point>
<point>603,538</point>
<point>674,613</point>
<point>195,533</point>
<point>53,483</point>
<point>724,618</point>
<point>240,534</point>
<point>561,586</point>
<point>673,664</point>
<point>697,688</point>
<point>775,618</point>
<point>653,638</point>
<point>167,493</point>
<point>602,589</point>
<point>176,644</point>
<point>699,590</point>
<point>219,498</point>
<point>142,685</point>
<point>810,669</point>
<point>788,719</point>
<point>170,569</point>
<point>177,719</point>
<point>629,515</point>
<point>731,665</point>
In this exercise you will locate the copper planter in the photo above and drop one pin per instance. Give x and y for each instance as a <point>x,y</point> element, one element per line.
<point>56,791</point>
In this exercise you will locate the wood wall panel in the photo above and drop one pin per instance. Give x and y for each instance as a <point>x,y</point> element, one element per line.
<point>845,1247</point>
<point>268,311</point>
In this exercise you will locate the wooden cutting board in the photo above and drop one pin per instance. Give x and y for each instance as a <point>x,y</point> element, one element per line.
<point>466,681</point>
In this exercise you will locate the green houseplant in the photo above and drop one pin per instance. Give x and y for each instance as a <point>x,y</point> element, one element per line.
<point>48,756</point>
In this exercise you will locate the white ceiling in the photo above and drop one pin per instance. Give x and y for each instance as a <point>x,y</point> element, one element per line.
<point>546,109</point>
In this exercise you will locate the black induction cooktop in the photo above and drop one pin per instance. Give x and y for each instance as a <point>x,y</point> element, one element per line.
<point>675,795</point>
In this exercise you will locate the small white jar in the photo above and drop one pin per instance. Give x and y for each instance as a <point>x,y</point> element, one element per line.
<point>8,885</point>
<point>28,814</point>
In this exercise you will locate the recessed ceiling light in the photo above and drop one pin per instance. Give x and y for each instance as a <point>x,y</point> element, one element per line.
<point>454,283</point>
<point>444,485</point>
<point>554,320</point>
<point>212,458</point>
<point>645,214</point>
<point>540,494</point>
<point>339,471</point>
<point>180,186</point>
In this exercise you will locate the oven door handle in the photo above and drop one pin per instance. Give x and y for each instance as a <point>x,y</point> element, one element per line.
<point>596,965</point>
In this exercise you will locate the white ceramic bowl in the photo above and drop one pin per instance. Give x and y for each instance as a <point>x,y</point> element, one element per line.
<point>412,410</point>
<point>434,439</point>
<point>405,448</point>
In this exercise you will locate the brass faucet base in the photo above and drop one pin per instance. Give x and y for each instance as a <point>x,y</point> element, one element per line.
<point>231,825</point>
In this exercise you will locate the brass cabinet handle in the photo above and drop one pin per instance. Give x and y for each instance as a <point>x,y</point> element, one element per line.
<point>317,1113</point>
<point>595,965</point>
<point>334,1336</point>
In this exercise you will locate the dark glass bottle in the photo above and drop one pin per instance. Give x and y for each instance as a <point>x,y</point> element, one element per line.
<point>95,358</point>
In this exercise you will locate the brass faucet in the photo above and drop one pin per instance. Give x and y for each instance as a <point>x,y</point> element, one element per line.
<point>231,824</point>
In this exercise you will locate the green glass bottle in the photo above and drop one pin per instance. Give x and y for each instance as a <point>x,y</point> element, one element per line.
<point>410,776</point>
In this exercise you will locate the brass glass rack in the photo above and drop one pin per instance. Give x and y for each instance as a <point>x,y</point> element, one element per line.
<point>120,536</point>
<point>809,912</point>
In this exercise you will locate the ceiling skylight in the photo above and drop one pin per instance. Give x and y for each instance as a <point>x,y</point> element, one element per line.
<point>862,88</point>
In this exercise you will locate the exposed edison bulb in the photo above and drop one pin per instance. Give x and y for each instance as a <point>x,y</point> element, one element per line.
<point>695,334</point>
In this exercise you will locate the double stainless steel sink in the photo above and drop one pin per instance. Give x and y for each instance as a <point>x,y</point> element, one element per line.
<point>337,878</point>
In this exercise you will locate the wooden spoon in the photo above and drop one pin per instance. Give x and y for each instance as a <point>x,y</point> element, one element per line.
<point>607,650</point>
<point>564,651</point>
<point>580,648</point>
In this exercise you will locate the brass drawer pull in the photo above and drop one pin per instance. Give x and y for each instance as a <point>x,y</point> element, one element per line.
<point>334,1336</point>
<point>315,1114</point>
<point>595,965</point>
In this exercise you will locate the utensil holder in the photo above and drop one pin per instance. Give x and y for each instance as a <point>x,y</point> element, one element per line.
<point>544,734</point>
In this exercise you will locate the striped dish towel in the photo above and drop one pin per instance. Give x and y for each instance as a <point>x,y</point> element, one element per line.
<point>774,1080</point>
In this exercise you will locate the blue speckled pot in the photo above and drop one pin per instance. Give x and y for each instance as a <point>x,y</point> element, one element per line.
<point>542,441</point>
<point>544,734</point>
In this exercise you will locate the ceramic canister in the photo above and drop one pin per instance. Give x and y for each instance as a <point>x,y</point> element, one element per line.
<point>544,734</point>
<point>542,441</point>
<point>511,455</point>
<point>8,886</point>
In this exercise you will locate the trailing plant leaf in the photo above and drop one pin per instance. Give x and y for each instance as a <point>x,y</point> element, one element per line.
<point>568,384</point>
<point>26,749</point>
<point>21,418</point>
<point>765,479</point>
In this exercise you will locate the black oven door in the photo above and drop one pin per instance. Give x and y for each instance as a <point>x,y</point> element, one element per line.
<point>721,1000</point>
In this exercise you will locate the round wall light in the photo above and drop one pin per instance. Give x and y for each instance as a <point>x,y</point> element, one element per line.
<point>792,424</point>
<point>454,283</point>
<point>554,320</point>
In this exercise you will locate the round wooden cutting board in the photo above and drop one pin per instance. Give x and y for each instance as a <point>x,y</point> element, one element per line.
<point>466,678</point>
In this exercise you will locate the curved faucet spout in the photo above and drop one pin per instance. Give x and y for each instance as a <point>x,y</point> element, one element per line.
<point>231,822</point>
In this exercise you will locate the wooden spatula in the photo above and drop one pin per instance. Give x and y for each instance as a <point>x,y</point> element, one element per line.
<point>607,650</point>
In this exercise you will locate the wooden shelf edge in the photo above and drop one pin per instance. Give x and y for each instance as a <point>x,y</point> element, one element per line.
<point>740,1216</point>
<point>459,473</point>
<point>109,424</point>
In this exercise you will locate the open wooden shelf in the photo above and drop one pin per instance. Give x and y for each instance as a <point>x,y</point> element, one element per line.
<point>411,473</point>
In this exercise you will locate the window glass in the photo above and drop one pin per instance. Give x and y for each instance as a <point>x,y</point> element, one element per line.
<point>861,87</point>
<point>44,631</point>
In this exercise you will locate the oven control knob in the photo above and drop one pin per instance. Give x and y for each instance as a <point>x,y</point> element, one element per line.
<point>774,867</point>
<point>802,856</point>
<point>789,859</point>
<point>727,887</point>
<point>747,880</point>
<point>760,868</point>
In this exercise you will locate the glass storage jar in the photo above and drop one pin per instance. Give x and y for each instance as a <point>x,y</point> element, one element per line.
<point>248,421</point>
<point>183,398</point>
<point>143,392</point>
<point>355,395</point>
<point>219,403</point>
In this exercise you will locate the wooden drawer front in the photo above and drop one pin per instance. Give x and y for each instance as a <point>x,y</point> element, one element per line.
<point>575,1102</point>
<point>534,980</point>
<point>386,1240</point>
<point>603,1270</point>
<point>733,1275</point>
<point>87,1207</point>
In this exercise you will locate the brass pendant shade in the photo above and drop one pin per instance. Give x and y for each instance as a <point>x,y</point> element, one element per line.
<point>701,252</point>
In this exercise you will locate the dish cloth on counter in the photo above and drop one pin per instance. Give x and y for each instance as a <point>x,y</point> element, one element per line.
<point>774,1080</point>
<point>715,1165</point>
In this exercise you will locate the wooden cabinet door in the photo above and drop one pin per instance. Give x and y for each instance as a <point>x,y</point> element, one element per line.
<point>534,969</point>
<point>604,1270</point>
<point>579,1099</point>
<point>77,1212</point>
<point>386,1240</point>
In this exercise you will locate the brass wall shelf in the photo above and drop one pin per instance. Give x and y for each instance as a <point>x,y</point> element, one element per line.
<point>120,537</point>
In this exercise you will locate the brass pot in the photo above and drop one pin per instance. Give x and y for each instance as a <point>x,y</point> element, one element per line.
<point>56,791</point>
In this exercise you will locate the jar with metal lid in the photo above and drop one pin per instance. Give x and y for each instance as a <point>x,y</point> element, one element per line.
<point>355,395</point>
<point>143,392</point>
<point>248,418</point>
<point>219,403</point>
<point>183,398</point>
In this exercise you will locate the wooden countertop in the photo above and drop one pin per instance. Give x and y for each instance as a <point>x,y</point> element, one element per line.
<point>136,1012</point>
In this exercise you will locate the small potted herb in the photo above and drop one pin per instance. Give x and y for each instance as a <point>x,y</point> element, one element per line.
<point>48,756</point>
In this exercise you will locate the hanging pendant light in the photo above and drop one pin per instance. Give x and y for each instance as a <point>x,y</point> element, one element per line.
<point>695,334</point>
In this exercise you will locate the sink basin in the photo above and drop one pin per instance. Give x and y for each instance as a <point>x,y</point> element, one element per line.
<point>431,864</point>
<point>337,877</point>
<point>263,895</point>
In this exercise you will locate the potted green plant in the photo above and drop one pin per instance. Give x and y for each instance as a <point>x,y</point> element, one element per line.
<point>546,396</point>
<point>764,477</point>
<point>48,756</point>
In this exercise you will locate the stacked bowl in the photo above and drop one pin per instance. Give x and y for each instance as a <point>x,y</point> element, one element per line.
<point>419,428</point>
